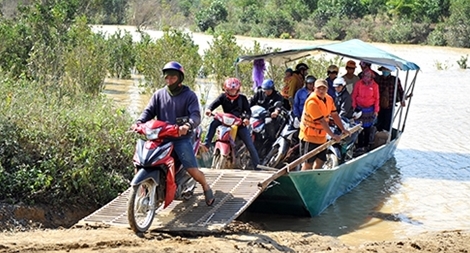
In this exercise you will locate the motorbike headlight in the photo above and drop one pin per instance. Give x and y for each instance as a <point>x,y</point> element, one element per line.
<point>152,134</point>
<point>228,121</point>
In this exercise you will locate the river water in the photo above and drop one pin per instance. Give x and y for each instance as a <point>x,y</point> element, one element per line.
<point>425,187</point>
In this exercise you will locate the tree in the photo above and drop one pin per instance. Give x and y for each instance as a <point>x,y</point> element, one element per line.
<point>458,25</point>
<point>211,17</point>
<point>220,58</point>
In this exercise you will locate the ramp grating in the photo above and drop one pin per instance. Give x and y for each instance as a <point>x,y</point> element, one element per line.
<point>234,191</point>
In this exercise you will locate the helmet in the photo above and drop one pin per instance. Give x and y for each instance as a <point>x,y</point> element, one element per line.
<point>310,79</point>
<point>339,81</point>
<point>173,65</point>
<point>268,84</point>
<point>232,88</point>
<point>301,66</point>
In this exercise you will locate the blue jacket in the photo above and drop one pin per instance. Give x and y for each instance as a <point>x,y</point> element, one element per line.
<point>299,101</point>
<point>331,89</point>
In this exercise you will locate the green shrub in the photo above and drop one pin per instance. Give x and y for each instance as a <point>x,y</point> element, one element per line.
<point>333,29</point>
<point>120,48</point>
<point>463,62</point>
<point>57,150</point>
<point>306,30</point>
<point>437,37</point>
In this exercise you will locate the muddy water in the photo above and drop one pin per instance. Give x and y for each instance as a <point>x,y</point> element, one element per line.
<point>425,187</point>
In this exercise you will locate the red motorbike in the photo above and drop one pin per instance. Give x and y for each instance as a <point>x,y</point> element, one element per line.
<point>159,178</point>
<point>225,149</point>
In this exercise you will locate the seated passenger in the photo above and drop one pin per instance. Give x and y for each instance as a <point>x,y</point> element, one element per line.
<point>267,98</point>
<point>343,100</point>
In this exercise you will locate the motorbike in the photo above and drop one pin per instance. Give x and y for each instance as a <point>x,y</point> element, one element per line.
<point>225,153</point>
<point>342,151</point>
<point>264,130</point>
<point>159,177</point>
<point>286,147</point>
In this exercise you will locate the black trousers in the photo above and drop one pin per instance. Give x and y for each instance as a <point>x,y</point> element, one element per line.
<point>384,119</point>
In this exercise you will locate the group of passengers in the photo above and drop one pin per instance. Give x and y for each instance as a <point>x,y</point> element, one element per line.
<point>336,97</point>
<point>314,102</point>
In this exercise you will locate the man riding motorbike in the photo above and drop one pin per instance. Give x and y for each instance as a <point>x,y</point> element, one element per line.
<point>171,103</point>
<point>237,104</point>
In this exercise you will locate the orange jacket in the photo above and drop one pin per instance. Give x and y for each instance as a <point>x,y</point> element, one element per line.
<point>292,85</point>
<point>315,109</point>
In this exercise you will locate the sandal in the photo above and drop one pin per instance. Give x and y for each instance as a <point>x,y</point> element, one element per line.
<point>209,197</point>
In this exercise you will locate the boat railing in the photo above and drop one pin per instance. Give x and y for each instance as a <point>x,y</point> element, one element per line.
<point>288,167</point>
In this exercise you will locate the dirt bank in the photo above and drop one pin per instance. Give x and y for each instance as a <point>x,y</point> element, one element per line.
<point>240,238</point>
<point>39,229</point>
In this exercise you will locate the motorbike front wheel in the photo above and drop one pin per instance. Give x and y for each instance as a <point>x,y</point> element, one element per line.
<point>273,159</point>
<point>331,161</point>
<point>220,162</point>
<point>142,205</point>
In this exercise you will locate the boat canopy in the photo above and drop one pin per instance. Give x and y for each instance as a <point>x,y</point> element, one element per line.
<point>354,49</point>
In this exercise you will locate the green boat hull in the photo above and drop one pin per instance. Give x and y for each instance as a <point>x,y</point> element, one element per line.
<point>308,193</point>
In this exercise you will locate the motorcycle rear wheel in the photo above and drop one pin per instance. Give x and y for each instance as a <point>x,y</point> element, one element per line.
<point>142,205</point>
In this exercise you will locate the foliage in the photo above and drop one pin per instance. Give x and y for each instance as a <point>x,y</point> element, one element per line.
<point>219,59</point>
<point>211,17</point>
<point>175,45</point>
<point>333,29</point>
<point>120,48</point>
<point>14,51</point>
<point>61,151</point>
<point>328,9</point>
<point>419,10</point>
<point>463,62</point>
<point>85,61</point>
<point>458,24</point>
<point>437,36</point>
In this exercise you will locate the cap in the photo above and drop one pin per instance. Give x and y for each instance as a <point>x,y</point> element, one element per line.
<point>351,64</point>
<point>386,68</point>
<point>333,68</point>
<point>338,81</point>
<point>320,83</point>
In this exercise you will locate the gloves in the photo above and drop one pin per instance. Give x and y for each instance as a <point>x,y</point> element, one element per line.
<point>296,122</point>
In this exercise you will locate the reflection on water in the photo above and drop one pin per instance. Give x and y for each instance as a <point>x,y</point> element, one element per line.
<point>425,187</point>
<point>127,93</point>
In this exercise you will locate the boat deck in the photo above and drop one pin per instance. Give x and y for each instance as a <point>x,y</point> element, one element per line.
<point>234,191</point>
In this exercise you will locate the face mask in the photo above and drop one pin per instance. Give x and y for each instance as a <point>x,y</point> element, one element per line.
<point>385,73</point>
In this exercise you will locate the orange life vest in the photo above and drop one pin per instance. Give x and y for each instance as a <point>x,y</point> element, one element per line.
<point>315,109</point>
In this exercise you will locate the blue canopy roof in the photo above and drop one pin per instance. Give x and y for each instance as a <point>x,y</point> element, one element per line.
<point>354,49</point>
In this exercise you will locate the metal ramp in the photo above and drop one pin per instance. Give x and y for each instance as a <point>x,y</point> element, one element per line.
<point>234,191</point>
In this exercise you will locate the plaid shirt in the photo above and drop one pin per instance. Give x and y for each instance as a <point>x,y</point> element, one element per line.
<point>383,82</point>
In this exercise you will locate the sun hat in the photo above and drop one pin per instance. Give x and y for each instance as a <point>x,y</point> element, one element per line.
<point>351,64</point>
<point>387,68</point>
<point>320,83</point>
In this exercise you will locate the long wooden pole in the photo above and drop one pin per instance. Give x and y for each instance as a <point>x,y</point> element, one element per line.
<point>303,158</point>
